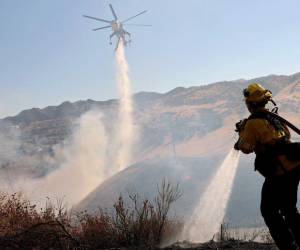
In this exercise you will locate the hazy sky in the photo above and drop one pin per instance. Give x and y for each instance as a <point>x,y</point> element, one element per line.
<point>48,53</point>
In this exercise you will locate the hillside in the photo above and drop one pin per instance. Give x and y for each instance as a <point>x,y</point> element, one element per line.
<point>184,135</point>
<point>199,110</point>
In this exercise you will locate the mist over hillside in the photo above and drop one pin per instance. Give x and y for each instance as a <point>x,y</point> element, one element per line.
<point>184,135</point>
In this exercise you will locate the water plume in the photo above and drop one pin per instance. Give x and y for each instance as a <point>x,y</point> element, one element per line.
<point>125,128</point>
<point>90,155</point>
<point>209,214</point>
<point>82,164</point>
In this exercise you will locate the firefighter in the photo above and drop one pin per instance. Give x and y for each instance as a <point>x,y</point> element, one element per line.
<point>278,160</point>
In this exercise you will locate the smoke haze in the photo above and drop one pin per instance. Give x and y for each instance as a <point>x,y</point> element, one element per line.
<point>90,155</point>
<point>82,164</point>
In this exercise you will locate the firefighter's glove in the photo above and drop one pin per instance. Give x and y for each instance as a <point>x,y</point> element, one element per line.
<point>239,126</point>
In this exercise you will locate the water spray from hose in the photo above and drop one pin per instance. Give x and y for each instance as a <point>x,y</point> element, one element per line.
<point>209,214</point>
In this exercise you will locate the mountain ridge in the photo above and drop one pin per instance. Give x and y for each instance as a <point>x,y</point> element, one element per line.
<point>42,114</point>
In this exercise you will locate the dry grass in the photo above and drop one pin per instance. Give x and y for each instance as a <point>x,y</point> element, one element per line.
<point>142,223</point>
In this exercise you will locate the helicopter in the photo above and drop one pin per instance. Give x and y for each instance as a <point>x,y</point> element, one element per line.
<point>117,26</point>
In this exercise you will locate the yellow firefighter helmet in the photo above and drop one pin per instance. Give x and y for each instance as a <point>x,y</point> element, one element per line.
<point>256,93</point>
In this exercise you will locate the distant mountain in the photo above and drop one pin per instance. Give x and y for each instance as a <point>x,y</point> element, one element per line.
<point>198,109</point>
<point>184,135</point>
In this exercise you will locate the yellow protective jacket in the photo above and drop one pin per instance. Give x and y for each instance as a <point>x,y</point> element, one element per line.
<point>261,136</point>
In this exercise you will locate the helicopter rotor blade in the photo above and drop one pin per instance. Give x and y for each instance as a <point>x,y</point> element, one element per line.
<point>98,19</point>
<point>134,16</point>
<point>133,24</point>
<point>113,12</point>
<point>105,27</point>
